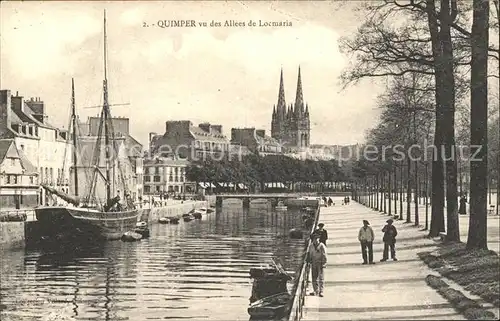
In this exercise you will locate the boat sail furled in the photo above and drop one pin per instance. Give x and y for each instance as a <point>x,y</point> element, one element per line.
<point>105,209</point>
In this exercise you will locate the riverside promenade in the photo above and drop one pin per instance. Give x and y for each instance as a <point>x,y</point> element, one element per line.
<point>384,291</point>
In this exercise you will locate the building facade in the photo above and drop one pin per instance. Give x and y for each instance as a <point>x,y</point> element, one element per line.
<point>290,125</point>
<point>165,175</point>
<point>45,146</point>
<point>18,178</point>
<point>256,141</point>
<point>184,140</point>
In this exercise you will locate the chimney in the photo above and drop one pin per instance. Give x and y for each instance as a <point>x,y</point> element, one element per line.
<point>217,128</point>
<point>17,103</point>
<point>5,111</point>
<point>181,126</point>
<point>261,132</point>
<point>205,127</point>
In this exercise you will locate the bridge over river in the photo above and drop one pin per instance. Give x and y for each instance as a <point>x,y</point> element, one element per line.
<point>289,199</point>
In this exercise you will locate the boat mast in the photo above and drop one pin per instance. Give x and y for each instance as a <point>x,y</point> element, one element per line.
<point>106,114</point>
<point>73,119</point>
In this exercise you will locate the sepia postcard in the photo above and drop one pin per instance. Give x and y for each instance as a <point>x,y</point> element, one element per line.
<point>249,160</point>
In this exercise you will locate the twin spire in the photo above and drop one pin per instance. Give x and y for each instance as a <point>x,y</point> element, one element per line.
<point>281,108</point>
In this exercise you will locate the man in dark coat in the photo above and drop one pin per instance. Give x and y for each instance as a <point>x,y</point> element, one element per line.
<point>389,239</point>
<point>463,204</point>
<point>323,234</point>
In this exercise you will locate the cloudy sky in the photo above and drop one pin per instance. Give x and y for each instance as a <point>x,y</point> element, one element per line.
<point>221,75</point>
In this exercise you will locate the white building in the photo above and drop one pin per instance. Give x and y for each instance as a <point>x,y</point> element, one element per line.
<point>45,146</point>
<point>18,178</point>
<point>165,175</point>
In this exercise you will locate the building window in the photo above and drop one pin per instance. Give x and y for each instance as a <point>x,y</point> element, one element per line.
<point>32,180</point>
<point>14,179</point>
<point>147,178</point>
<point>157,178</point>
<point>146,189</point>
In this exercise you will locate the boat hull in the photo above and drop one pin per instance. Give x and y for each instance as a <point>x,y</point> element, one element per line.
<point>272,307</point>
<point>85,222</point>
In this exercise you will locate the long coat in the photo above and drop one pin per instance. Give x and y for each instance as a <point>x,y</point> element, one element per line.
<point>390,233</point>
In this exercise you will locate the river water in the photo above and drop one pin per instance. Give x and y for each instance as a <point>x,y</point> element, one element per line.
<point>192,271</point>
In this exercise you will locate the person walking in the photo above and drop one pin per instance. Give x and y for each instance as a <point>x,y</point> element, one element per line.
<point>366,237</point>
<point>316,256</point>
<point>389,239</point>
<point>323,234</point>
<point>462,208</point>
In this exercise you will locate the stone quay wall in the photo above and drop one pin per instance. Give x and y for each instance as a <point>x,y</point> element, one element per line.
<point>12,235</point>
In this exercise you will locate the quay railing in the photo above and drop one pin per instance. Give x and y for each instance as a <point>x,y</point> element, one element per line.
<point>300,288</point>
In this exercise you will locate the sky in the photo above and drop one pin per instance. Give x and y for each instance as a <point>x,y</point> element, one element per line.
<point>222,75</point>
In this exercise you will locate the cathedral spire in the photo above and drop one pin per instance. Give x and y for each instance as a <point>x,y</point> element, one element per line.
<point>281,95</point>
<point>299,99</point>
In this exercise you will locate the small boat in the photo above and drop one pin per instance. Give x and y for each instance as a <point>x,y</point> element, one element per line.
<point>206,210</point>
<point>271,307</point>
<point>141,224</point>
<point>173,220</point>
<point>164,220</point>
<point>281,206</point>
<point>187,217</point>
<point>131,236</point>
<point>144,231</point>
<point>198,214</point>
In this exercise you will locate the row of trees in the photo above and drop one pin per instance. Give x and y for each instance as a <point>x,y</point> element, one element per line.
<point>254,170</point>
<point>435,55</point>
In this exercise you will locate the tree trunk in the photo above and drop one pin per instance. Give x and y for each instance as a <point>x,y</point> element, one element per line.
<point>377,189</point>
<point>401,191</point>
<point>448,106</point>
<point>426,196</point>
<point>408,189</point>
<point>389,188</point>
<point>384,191</point>
<point>395,189</point>
<point>381,193</point>
<point>417,196</point>
<point>372,188</point>
<point>437,200</point>
<point>477,237</point>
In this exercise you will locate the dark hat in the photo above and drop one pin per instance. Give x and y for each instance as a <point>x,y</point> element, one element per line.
<point>366,222</point>
<point>321,225</point>
<point>389,221</point>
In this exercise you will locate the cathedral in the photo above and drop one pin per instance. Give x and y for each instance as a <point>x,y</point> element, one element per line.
<point>290,125</point>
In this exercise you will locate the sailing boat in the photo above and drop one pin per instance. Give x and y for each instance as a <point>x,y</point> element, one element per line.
<point>93,217</point>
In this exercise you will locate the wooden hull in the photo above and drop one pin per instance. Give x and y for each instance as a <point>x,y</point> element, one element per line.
<point>86,222</point>
<point>272,307</point>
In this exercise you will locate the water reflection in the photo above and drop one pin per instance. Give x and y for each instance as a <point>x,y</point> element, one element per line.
<point>196,270</point>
